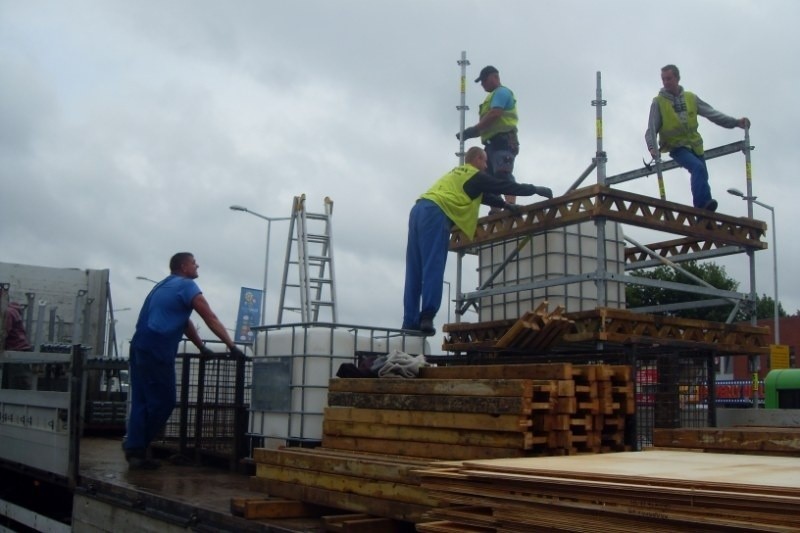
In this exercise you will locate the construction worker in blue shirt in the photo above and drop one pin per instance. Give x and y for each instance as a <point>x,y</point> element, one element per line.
<point>162,323</point>
<point>454,200</point>
<point>497,127</point>
<point>673,117</point>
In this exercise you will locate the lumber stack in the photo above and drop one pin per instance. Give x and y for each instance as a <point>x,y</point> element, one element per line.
<point>654,491</point>
<point>378,432</point>
<point>749,439</point>
<point>378,485</point>
<point>573,408</point>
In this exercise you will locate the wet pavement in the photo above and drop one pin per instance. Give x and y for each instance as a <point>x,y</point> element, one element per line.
<point>103,469</point>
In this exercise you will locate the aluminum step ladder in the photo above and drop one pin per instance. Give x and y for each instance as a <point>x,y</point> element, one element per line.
<point>308,271</point>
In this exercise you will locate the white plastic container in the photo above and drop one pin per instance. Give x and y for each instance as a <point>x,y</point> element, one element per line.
<point>569,251</point>
<point>291,371</point>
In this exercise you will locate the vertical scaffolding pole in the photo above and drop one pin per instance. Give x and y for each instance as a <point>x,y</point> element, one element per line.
<point>600,222</point>
<point>462,111</point>
<point>462,107</point>
<point>753,360</point>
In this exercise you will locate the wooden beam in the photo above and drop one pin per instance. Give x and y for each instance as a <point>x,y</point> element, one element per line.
<point>454,404</point>
<point>426,418</point>
<point>340,500</point>
<point>441,387</point>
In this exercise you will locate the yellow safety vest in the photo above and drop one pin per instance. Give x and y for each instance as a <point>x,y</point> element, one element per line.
<point>674,133</point>
<point>506,123</point>
<point>448,193</point>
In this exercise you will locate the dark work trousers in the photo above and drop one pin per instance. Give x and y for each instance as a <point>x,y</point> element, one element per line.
<point>152,398</point>
<point>426,256</point>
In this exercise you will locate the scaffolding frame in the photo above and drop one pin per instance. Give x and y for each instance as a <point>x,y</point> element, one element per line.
<point>704,235</point>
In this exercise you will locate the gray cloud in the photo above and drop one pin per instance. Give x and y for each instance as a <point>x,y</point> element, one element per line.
<point>129,128</point>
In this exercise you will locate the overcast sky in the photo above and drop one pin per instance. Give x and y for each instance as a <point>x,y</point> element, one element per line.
<point>128,128</point>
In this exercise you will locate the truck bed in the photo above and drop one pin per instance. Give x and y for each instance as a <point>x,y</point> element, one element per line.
<point>109,496</point>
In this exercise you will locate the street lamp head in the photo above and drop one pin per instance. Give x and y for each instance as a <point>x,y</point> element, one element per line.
<point>238,208</point>
<point>736,192</point>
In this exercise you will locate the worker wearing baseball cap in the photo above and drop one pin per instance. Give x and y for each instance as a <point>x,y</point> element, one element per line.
<point>497,126</point>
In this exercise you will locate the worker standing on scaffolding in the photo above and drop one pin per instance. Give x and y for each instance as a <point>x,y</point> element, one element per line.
<point>673,116</point>
<point>497,127</point>
<point>453,200</point>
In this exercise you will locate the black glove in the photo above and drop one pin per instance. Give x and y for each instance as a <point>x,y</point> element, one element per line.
<point>515,209</point>
<point>237,353</point>
<point>469,133</point>
<point>205,351</point>
<point>544,191</point>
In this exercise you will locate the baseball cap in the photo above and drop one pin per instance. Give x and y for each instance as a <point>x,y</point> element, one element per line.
<point>485,72</point>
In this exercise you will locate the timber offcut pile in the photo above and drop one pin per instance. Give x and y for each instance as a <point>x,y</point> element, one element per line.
<point>653,491</point>
<point>378,432</point>
<point>536,331</point>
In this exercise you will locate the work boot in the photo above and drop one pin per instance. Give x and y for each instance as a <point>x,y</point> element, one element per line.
<point>137,460</point>
<point>711,205</point>
<point>140,463</point>
<point>426,326</point>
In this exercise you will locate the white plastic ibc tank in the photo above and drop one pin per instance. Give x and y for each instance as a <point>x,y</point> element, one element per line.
<point>568,251</point>
<point>291,371</point>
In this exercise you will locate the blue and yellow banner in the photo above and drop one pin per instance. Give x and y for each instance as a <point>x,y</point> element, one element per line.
<point>249,314</point>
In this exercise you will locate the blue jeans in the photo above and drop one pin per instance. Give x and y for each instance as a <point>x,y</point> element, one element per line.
<point>152,398</point>
<point>696,165</point>
<point>426,257</point>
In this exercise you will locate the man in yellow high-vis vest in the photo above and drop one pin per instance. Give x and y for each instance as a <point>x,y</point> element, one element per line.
<point>453,200</point>
<point>673,117</point>
<point>497,127</point>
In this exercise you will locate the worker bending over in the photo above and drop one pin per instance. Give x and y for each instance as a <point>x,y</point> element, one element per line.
<point>453,200</point>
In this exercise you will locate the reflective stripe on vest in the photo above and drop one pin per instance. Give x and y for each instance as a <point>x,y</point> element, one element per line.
<point>507,121</point>
<point>448,193</point>
<point>674,133</point>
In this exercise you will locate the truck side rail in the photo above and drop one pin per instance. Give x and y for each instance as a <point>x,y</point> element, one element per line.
<point>40,429</point>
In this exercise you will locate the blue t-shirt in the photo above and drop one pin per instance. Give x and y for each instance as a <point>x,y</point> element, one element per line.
<point>163,317</point>
<point>503,98</point>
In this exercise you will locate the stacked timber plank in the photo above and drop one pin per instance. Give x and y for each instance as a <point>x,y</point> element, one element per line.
<point>654,491</point>
<point>749,439</point>
<point>573,408</point>
<point>380,485</point>
<point>378,432</point>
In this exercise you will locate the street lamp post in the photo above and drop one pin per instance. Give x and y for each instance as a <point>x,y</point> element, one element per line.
<point>154,282</point>
<point>776,328</point>
<point>266,254</point>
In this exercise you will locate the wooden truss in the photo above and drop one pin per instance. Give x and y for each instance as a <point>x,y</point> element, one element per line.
<point>701,229</point>
<point>616,326</point>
